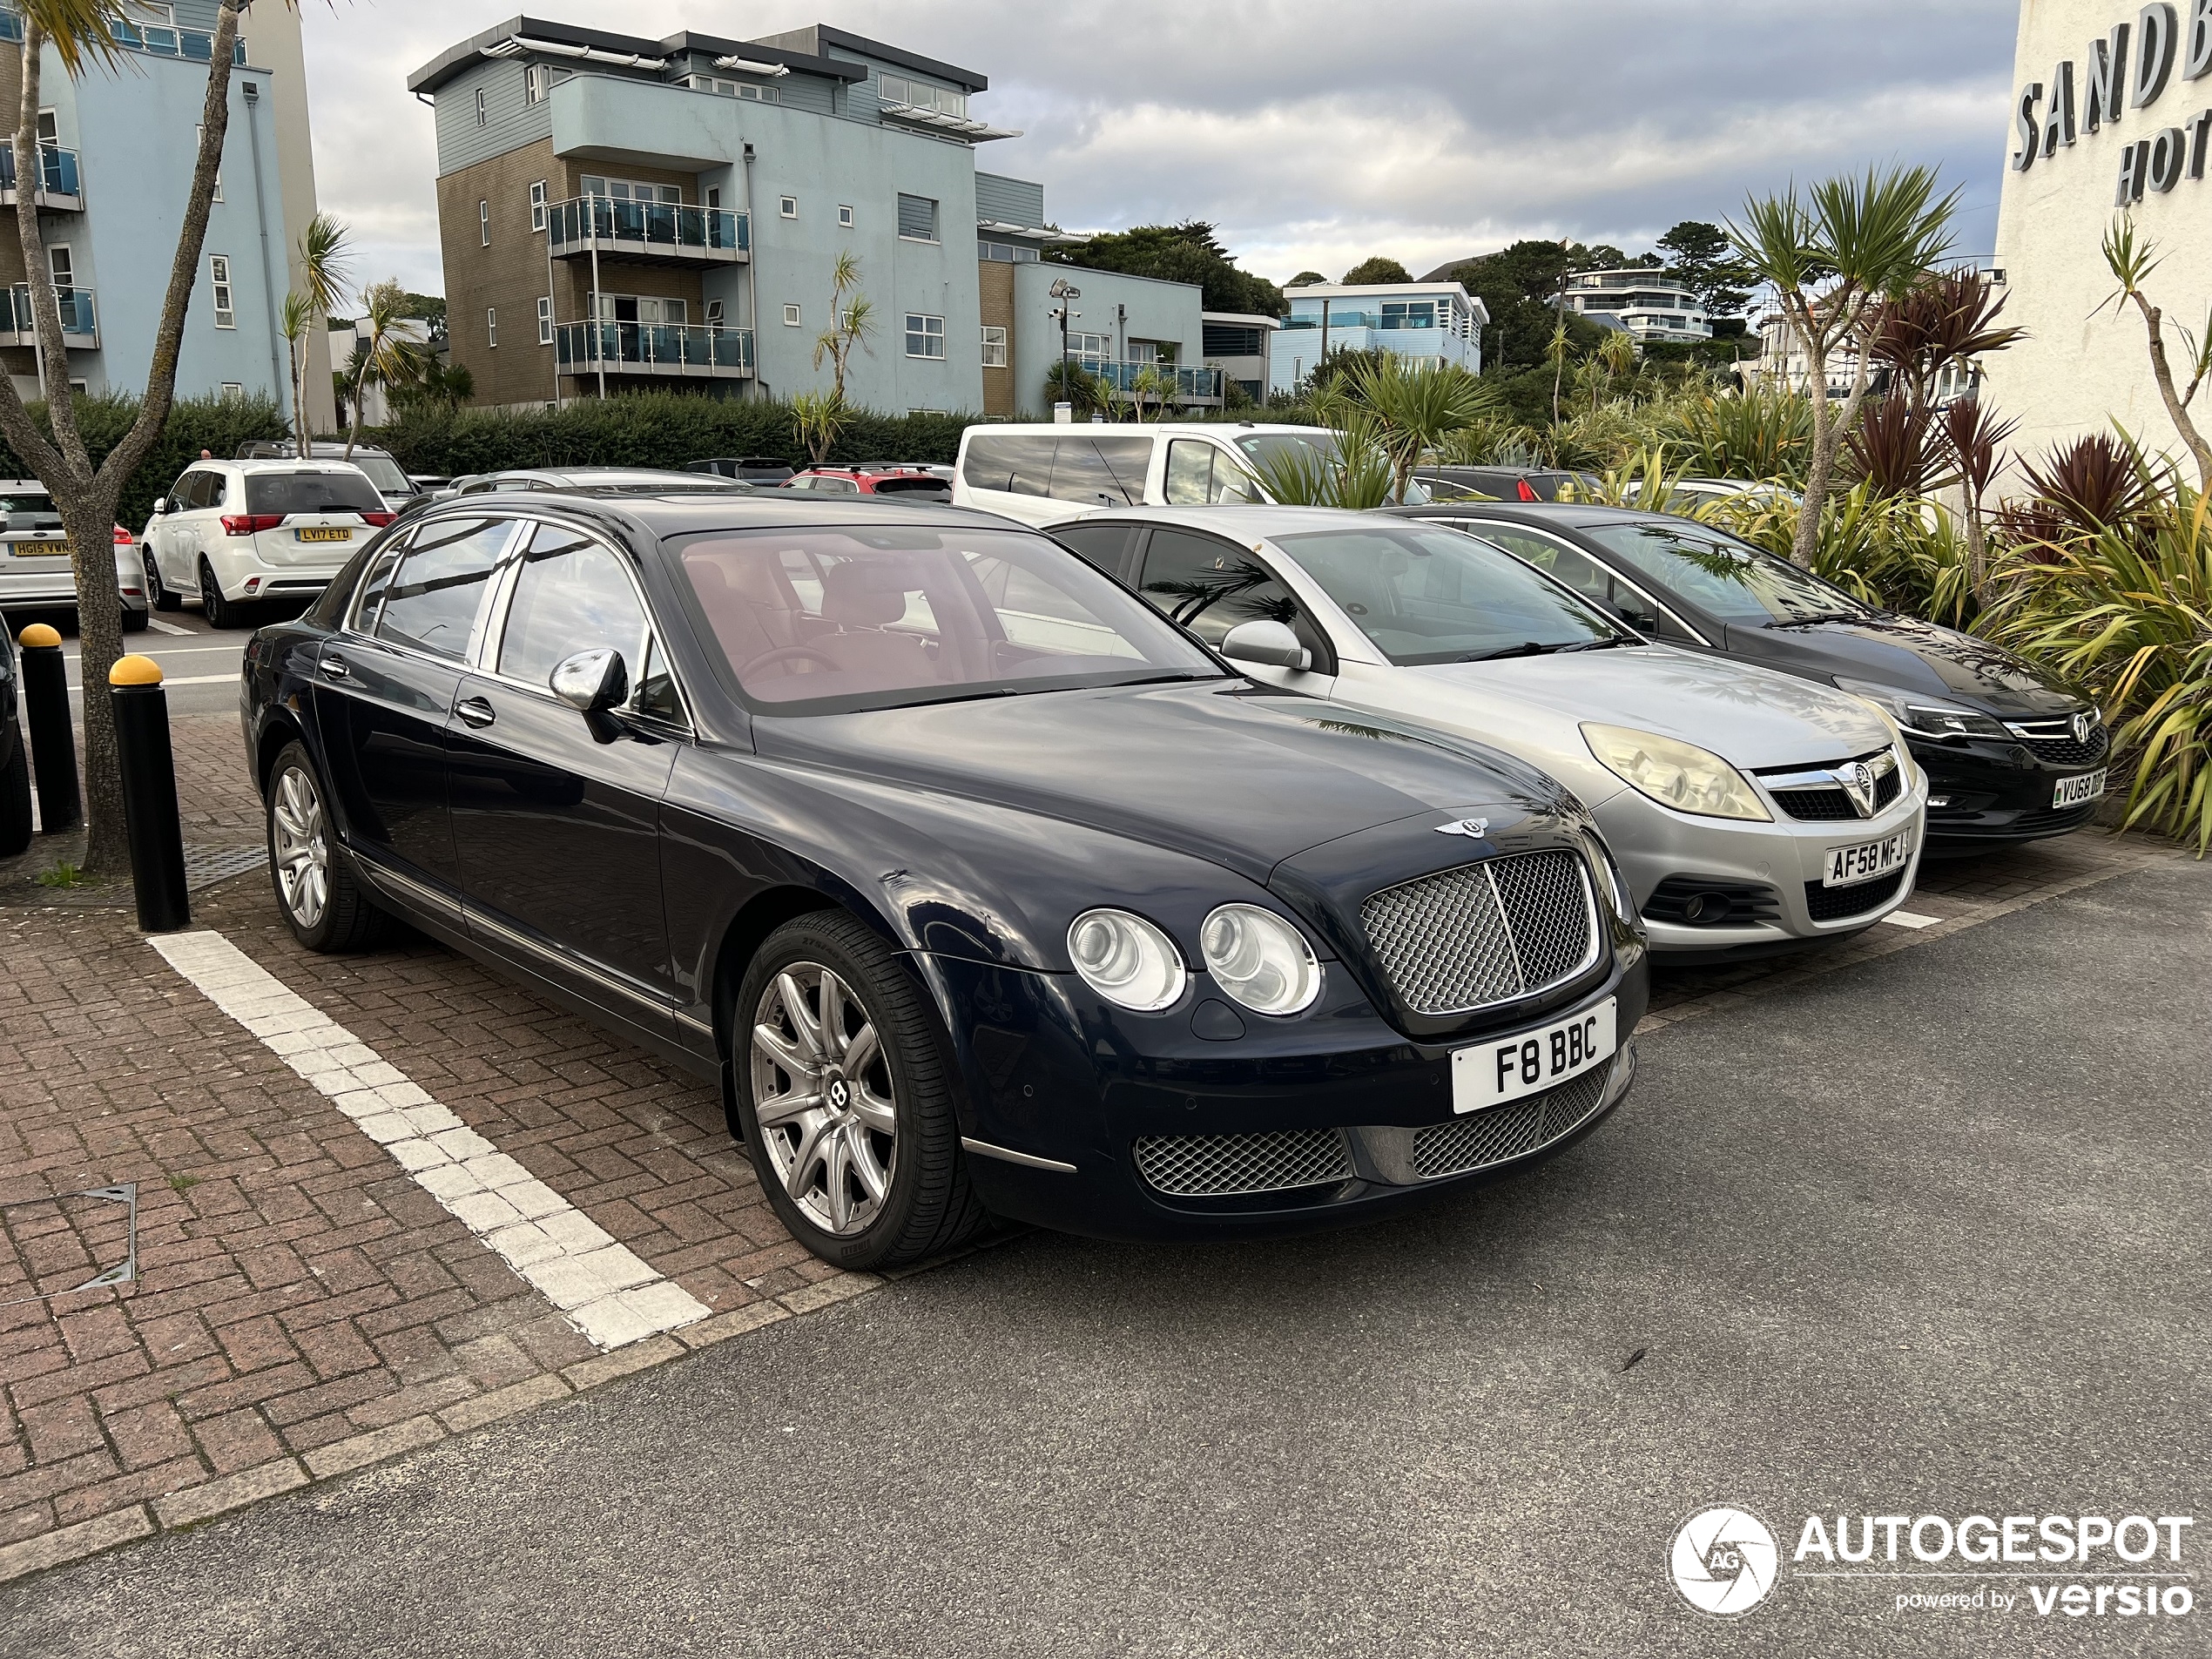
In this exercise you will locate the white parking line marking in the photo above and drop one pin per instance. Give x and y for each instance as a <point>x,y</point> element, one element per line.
<point>600,1286</point>
<point>161,627</point>
<point>186,679</point>
<point>160,651</point>
<point>1907,919</point>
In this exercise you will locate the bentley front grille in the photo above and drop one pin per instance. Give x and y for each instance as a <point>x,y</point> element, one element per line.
<point>1465,938</point>
<point>1219,1166</point>
<point>1483,1138</point>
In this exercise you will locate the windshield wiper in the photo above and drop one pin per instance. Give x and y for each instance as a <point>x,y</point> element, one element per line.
<point>1607,644</point>
<point>1818,616</point>
<point>1526,648</point>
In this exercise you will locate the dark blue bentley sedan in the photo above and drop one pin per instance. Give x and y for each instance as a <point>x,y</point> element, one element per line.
<point>980,887</point>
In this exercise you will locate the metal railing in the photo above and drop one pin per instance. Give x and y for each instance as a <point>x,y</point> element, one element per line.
<point>636,227</point>
<point>195,45</point>
<point>56,170</point>
<point>652,347</point>
<point>1360,320</point>
<point>77,318</point>
<point>1189,381</point>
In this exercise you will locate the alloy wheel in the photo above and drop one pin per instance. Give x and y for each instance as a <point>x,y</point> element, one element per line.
<point>298,846</point>
<point>153,578</point>
<point>824,1098</point>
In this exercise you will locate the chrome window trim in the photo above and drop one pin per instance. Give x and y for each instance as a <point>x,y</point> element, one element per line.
<point>484,657</point>
<point>1658,604</point>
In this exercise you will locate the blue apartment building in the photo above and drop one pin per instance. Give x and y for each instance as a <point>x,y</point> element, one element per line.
<point>1429,321</point>
<point>618,213</point>
<point>116,152</point>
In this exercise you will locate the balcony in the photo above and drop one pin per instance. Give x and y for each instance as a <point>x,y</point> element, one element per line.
<point>675,350</point>
<point>1192,383</point>
<point>654,233</point>
<point>80,329</point>
<point>58,184</point>
<point>193,46</point>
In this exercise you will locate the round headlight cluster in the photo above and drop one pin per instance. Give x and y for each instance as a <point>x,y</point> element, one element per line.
<point>1125,959</point>
<point>1260,959</point>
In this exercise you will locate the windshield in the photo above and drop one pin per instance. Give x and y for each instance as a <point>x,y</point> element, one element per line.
<point>311,492</point>
<point>29,510</point>
<point>827,619</point>
<point>385,473</point>
<point>1435,596</point>
<point>1730,579</point>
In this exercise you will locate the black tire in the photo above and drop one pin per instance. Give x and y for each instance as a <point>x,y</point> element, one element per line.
<point>928,1206</point>
<point>14,795</point>
<point>346,919</point>
<point>134,622</point>
<point>158,593</point>
<point>220,612</point>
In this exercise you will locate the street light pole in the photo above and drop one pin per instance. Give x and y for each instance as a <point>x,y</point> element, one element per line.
<point>1063,291</point>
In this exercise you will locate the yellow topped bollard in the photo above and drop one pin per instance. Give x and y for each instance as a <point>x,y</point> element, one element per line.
<point>150,794</point>
<point>53,734</point>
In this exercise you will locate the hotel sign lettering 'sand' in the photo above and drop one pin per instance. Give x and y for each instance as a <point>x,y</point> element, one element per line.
<point>2129,68</point>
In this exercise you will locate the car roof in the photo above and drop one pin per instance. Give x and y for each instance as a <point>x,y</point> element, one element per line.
<point>1227,519</point>
<point>1226,428</point>
<point>686,511</point>
<point>1571,515</point>
<point>287,463</point>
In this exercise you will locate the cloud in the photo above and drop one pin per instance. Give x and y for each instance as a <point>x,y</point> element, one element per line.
<point>1315,135</point>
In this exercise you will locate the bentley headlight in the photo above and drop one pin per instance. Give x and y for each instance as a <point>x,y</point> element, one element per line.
<point>1125,959</point>
<point>1922,715</point>
<point>1674,773</point>
<point>1260,959</point>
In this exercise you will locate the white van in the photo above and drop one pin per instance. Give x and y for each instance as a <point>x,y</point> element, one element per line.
<point>1043,474</point>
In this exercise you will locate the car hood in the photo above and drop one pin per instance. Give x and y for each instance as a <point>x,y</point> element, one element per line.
<point>1752,718</point>
<point>1242,778</point>
<point>1913,655</point>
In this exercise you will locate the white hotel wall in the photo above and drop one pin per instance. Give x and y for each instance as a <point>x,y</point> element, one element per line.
<point>2077,372</point>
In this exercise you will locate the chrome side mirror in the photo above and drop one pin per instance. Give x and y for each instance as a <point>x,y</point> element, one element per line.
<point>592,682</point>
<point>1271,643</point>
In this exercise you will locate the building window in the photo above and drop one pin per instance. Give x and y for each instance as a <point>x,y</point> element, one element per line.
<point>534,83</point>
<point>925,335</point>
<point>844,216</point>
<point>484,220</point>
<point>791,316</point>
<point>538,205</point>
<point>920,95</point>
<point>491,326</point>
<point>219,284</point>
<point>713,197</point>
<point>758,94</point>
<point>482,109</point>
<point>994,347</point>
<point>1006,252</point>
<point>917,219</point>
<point>788,206</point>
<point>234,391</point>
<point>1096,350</point>
<point>714,316</point>
<point>544,319</point>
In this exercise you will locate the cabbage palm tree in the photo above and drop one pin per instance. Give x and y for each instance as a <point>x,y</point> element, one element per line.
<point>390,356</point>
<point>322,285</point>
<point>80,31</point>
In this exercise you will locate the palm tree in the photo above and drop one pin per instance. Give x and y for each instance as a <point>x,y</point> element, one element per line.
<point>1414,409</point>
<point>80,34</point>
<point>850,321</point>
<point>2131,260</point>
<point>323,253</point>
<point>390,356</point>
<point>817,418</point>
<point>1834,258</point>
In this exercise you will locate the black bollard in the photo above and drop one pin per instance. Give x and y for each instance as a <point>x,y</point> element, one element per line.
<point>53,734</point>
<point>150,794</point>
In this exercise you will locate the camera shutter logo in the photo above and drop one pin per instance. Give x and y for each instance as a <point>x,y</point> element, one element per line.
<point>1724,1561</point>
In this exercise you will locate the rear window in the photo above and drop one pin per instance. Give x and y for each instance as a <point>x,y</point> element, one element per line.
<point>311,492</point>
<point>1730,579</point>
<point>927,489</point>
<point>31,510</point>
<point>385,473</point>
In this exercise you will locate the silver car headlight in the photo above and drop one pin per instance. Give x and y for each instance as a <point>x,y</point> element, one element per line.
<point>1674,773</point>
<point>1126,959</point>
<point>1260,959</point>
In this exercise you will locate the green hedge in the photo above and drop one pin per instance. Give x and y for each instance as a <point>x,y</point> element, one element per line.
<point>649,429</point>
<point>218,425</point>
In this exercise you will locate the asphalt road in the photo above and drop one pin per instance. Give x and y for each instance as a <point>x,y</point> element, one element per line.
<point>198,664</point>
<point>1922,1237</point>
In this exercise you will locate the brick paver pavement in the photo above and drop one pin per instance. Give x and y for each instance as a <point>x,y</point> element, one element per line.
<point>303,1306</point>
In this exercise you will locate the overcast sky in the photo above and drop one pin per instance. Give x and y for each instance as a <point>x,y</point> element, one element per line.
<point>1313,135</point>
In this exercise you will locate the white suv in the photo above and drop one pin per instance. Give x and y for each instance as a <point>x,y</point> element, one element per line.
<point>235,532</point>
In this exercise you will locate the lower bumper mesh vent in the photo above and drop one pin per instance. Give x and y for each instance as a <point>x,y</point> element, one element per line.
<point>1213,1166</point>
<point>1504,1132</point>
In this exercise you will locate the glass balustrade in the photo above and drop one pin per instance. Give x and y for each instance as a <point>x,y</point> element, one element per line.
<point>75,305</point>
<point>58,166</point>
<point>637,224</point>
<point>1188,380</point>
<point>656,347</point>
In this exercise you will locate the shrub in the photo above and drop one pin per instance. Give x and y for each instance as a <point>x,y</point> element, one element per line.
<point>218,425</point>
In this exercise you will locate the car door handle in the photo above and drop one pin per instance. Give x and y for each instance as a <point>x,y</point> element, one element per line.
<point>334,668</point>
<point>476,712</point>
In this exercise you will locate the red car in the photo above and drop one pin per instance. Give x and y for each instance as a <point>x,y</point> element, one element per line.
<point>909,483</point>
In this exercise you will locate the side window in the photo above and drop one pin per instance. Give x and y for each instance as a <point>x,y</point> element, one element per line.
<point>829,486</point>
<point>432,600</point>
<point>374,583</point>
<point>1020,464</point>
<point>1080,474</point>
<point>1190,480</point>
<point>1588,577</point>
<point>200,488</point>
<point>1106,546</point>
<point>1209,586</point>
<point>572,594</point>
